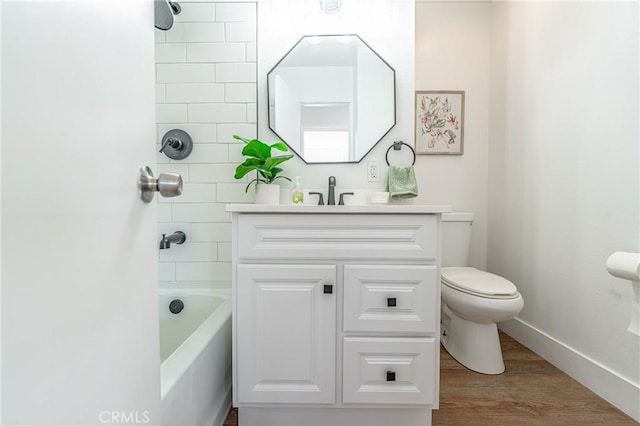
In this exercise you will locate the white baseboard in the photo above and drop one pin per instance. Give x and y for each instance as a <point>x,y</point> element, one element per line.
<point>607,384</point>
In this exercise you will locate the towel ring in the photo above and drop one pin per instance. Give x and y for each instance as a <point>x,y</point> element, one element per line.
<point>397,145</point>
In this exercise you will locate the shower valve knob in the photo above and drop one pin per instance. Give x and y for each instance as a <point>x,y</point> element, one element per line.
<point>176,144</point>
<point>167,184</point>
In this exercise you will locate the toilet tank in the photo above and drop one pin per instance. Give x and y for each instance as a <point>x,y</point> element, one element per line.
<point>456,238</point>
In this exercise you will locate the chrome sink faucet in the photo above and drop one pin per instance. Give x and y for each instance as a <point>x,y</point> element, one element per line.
<point>331,197</point>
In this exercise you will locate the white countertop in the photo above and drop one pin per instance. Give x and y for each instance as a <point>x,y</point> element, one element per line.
<point>369,209</point>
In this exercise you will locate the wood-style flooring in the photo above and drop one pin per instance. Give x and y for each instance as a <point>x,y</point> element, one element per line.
<point>530,392</point>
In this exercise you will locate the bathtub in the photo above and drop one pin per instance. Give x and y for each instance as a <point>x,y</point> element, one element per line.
<point>195,351</point>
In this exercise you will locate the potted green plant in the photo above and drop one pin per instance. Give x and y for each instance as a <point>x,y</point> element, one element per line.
<point>260,160</point>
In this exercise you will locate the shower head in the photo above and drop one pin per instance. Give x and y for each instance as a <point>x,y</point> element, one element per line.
<point>164,11</point>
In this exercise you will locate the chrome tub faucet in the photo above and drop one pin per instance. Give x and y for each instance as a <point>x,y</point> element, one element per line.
<point>177,237</point>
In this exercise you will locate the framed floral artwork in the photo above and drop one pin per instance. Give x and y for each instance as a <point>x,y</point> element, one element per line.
<point>439,125</point>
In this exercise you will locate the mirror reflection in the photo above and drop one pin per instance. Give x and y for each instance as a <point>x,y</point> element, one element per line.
<point>331,98</point>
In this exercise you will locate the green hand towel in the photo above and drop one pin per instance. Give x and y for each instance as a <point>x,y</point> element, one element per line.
<point>401,182</point>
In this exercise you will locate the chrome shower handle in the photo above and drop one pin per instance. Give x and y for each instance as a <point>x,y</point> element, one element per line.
<point>167,184</point>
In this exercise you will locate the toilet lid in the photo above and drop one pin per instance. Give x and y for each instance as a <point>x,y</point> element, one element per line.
<point>472,280</point>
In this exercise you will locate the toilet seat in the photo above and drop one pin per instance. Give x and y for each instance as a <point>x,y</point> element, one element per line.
<point>479,283</point>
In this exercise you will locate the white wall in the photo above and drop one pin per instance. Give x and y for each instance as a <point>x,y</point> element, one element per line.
<point>206,85</point>
<point>452,53</point>
<point>564,184</point>
<point>387,26</point>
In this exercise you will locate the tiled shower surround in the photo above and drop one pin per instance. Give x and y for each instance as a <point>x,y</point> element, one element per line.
<point>206,85</point>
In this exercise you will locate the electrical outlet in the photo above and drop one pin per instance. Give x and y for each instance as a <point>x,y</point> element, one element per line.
<point>373,171</point>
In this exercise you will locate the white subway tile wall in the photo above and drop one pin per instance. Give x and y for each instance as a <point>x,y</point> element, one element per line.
<point>206,85</point>
<point>218,113</point>
<point>171,113</point>
<point>202,12</point>
<point>170,53</point>
<point>216,52</point>
<point>236,73</point>
<point>194,32</point>
<point>195,92</point>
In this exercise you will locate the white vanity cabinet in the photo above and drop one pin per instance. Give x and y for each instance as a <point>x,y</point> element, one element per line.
<point>336,314</point>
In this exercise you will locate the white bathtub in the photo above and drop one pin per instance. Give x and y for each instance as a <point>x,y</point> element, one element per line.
<point>195,349</point>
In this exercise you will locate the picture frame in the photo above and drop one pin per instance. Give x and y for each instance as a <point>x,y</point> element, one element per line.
<point>439,122</point>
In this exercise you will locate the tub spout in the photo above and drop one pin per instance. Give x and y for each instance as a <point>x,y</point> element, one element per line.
<point>177,237</point>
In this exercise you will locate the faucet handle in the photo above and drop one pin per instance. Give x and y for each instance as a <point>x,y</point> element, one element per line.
<point>341,201</point>
<point>320,197</point>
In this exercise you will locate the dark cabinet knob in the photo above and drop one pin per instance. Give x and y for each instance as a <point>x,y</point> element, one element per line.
<point>391,302</point>
<point>391,376</point>
<point>328,288</point>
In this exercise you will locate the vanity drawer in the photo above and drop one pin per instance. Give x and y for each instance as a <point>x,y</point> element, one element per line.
<point>389,370</point>
<point>337,236</point>
<point>391,298</point>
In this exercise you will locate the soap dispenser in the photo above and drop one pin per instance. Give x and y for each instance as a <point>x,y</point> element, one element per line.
<point>296,193</point>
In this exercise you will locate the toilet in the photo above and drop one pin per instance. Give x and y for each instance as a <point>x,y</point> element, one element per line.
<point>473,301</point>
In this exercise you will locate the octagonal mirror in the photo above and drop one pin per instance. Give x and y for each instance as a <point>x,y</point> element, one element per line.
<point>331,98</point>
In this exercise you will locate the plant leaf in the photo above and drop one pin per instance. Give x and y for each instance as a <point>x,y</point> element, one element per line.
<point>253,162</point>
<point>270,163</point>
<point>266,174</point>
<point>245,140</point>
<point>249,165</point>
<point>241,171</point>
<point>257,149</point>
<point>274,173</point>
<point>261,161</point>
<point>279,146</point>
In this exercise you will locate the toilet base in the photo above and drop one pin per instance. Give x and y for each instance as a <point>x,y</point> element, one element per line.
<point>474,345</point>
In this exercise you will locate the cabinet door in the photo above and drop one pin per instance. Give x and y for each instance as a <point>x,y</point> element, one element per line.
<point>286,333</point>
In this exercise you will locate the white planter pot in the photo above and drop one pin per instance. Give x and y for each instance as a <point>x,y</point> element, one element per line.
<point>267,194</point>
